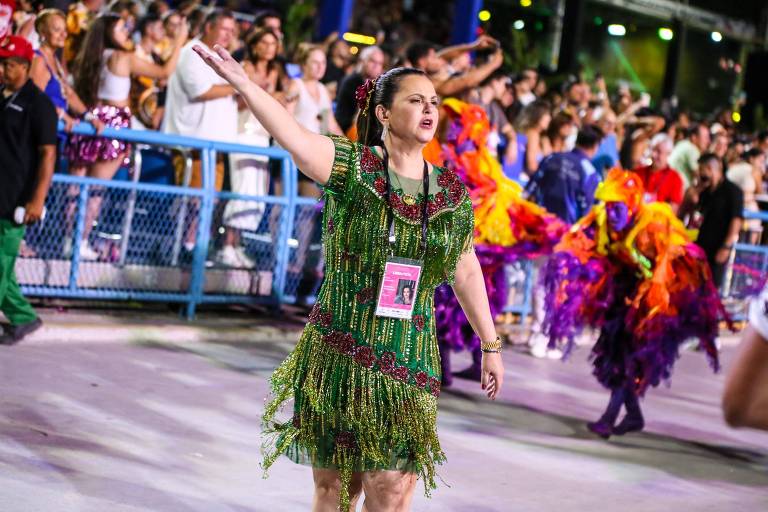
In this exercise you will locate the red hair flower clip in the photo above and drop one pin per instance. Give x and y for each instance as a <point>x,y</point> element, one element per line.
<point>363,95</point>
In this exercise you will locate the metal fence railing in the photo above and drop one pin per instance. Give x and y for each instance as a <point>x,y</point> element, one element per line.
<point>748,265</point>
<point>135,248</point>
<point>137,241</point>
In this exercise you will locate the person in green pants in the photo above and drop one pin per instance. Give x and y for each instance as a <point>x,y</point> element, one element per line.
<point>28,124</point>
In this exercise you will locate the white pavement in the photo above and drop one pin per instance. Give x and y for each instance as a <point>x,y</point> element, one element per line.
<point>104,412</point>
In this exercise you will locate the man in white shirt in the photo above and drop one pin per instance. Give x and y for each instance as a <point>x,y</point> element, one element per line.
<point>200,103</point>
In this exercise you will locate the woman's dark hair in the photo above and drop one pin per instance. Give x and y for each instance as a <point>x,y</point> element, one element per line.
<point>530,116</point>
<point>369,129</point>
<point>156,8</point>
<point>559,120</point>
<point>418,51</point>
<point>90,58</point>
<point>146,21</point>
<point>750,154</point>
<point>254,39</point>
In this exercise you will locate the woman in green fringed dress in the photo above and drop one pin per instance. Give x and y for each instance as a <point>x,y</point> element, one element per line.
<point>365,387</point>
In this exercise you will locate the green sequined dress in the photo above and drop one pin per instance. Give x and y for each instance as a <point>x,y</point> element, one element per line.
<point>365,388</point>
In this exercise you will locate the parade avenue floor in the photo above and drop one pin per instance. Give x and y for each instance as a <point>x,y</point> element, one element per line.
<point>128,412</point>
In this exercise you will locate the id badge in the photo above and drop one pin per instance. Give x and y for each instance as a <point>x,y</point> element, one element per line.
<point>399,284</point>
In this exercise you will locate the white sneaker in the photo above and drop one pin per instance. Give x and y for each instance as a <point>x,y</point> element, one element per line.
<point>538,351</point>
<point>539,348</point>
<point>66,248</point>
<point>87,253</point>
<point>245,260</point>
<point>554,353</point>
<point>228,257</point>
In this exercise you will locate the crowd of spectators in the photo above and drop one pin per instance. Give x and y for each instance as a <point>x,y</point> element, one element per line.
<point>130,63</point>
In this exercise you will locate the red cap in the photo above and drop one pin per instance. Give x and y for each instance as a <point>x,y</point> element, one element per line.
<point>16,46</point>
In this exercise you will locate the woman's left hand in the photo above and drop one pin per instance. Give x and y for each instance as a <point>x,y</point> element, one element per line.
<point>492,374</point>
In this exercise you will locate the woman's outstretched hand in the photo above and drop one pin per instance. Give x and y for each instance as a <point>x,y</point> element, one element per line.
<point>492,374</point>
<point>224,65</point>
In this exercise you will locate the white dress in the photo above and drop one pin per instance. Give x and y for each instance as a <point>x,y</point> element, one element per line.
<point>248,175</point>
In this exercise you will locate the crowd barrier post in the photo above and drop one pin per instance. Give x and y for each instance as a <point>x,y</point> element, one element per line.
<point>287,215</point>
<point>131,208</point>
<point>202,240</point>
<point>747,267</point>
<point>77,235</point>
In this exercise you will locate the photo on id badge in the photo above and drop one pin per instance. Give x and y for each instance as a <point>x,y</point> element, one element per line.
<point>397,293</point>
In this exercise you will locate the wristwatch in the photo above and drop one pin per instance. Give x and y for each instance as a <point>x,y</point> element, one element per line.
<point>491,347</point>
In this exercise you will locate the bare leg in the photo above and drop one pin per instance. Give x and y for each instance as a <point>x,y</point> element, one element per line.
<point>745,401</point>
<point>104,170</point>
<point>328,487</point>
<point>388,491</point>
<point>232,237</point>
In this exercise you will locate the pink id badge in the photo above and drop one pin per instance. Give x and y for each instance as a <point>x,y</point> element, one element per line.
<point>397,292</point>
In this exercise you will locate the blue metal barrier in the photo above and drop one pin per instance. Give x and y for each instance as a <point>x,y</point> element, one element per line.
<point>747,267</point>
<point>156,215</point>
<point>149,220</point>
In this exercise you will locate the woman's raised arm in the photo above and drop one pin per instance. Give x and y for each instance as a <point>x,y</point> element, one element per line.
<point>312,153</point>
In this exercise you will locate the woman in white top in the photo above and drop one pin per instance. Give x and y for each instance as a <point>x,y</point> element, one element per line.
<point>310,103</point>
<point>249,174</point>
<point>312,109</point>
<point>102,71</point>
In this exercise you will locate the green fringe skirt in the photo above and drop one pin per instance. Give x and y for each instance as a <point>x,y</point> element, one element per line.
<point>350,415</point>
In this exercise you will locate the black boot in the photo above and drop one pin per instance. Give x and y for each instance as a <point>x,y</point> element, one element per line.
<point>475,370</point>
<point>633,421</point>
<point>446,378</point>
<point>604,426</point>
<point>15,333</point>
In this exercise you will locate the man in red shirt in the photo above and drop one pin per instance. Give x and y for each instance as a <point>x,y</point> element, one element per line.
<point>661,182</point>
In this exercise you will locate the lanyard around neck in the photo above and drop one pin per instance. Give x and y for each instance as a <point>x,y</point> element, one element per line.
<point>390,210</point>
<point>10,99</point>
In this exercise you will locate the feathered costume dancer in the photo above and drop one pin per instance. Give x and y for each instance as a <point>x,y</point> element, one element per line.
<point>630,269</point>
<point>507,227</point>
